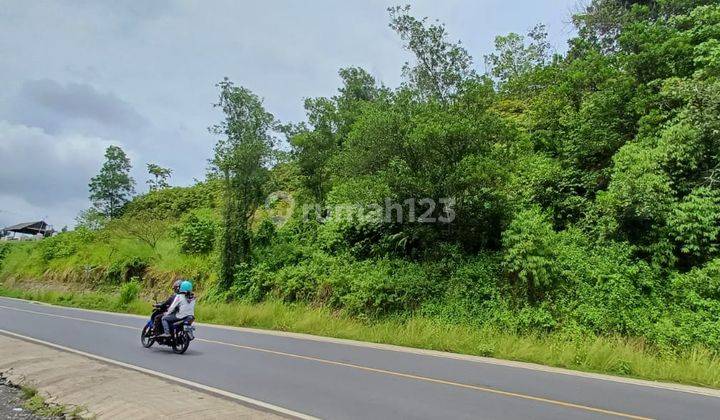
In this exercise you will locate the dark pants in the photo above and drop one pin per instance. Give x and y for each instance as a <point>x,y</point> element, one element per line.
<point>157,323</point>
<point>169,319</point>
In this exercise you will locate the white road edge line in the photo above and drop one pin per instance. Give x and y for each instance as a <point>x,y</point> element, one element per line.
<point>211,390</point>
<point>690,389</point>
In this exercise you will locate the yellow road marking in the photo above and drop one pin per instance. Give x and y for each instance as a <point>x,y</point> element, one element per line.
<point>370,369</point>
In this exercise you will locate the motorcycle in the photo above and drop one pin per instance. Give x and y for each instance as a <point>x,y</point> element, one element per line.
<point>181,332</point>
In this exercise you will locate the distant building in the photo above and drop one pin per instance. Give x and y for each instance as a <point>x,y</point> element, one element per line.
<point>36,229</point>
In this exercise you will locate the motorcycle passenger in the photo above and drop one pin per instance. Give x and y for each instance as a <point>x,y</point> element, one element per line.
<point>184,303</point>
<point>164,306</point>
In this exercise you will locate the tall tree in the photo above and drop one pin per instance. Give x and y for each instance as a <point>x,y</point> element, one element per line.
<point>160,175</point>
<point>330,121</point>
<point>514,58</point>
<point>441,67</point>
<point>113,186</point>
<point>240,161</point>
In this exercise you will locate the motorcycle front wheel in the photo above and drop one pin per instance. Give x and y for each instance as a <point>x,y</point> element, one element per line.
<point>146,337</point>
<point>181,342</point>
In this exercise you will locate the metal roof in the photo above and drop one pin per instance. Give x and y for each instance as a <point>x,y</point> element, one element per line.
<point>30,228</point>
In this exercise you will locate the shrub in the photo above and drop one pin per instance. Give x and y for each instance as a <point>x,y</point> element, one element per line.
<point>528,249</point>
<point>639,194</point>
<point>91,219</point>
<point>197,234</point>
<point>62,245</point>
<point>605,289</point>
<point>693,314</point>
<point>265,233</point>
<point>385,286</point>
<point>129,292</point>
<point>695,223</point>
<point>300,282</point>
<point>173,202</point>
<point>4,250</point>
<point>123,269</point>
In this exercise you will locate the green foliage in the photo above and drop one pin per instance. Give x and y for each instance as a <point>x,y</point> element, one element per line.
<point>124,269</point>
<point>129,292</point>
<point>695,223</point>
<point>640,192</point>
<point>58,246</point>
<point>173,202</point>
<point>386,286</point>
<point>113,186</point>
<point>265,233</point>
<point>35,403</point>
<point>528,243</point>
<point>196,233</point>
<point>90,219</point>
<point>160,176</point>
<point>4,251</point>
<point>240,163</point>
<point>442,67</point>
<point>513,59</point>
<point>146,227</point>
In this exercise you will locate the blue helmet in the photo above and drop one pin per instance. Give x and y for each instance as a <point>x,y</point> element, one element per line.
<point>185,287</point>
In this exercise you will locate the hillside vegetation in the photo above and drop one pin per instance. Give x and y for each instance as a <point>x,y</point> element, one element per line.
<point>583,191</point>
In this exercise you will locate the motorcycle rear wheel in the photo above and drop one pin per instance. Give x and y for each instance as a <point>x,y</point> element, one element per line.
<point>181,343</point>
<point>146,337</point>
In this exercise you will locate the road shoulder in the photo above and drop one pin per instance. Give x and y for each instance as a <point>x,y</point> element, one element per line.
<point>107,391</point>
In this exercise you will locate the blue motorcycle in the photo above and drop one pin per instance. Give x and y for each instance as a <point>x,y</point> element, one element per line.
<point>181,332</point>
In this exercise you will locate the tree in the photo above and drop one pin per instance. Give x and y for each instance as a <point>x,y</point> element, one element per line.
<point>513,58</point>
<point>240,161</point>
<point>161,176</point>
<point>146,227</point>
<point>113,186</point>
<point>330,121</point>
<point>90,219</point>
<point>441,67</point>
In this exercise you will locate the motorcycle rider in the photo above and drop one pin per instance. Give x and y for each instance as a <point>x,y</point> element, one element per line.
<point>184,303</point>
<point>157,322</point>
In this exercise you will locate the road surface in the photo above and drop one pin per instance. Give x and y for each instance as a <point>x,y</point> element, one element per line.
<point>344,381</point>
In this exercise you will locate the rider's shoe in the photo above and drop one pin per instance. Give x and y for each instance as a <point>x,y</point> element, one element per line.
<point>163,335</point>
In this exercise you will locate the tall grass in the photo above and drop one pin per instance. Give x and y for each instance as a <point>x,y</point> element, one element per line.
<point>611,355</point>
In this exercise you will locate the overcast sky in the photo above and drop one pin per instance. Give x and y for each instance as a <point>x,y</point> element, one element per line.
<point>77,76</point>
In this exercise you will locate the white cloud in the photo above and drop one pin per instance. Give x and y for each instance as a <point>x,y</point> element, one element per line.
<point>43,173</point>
<point>62,214</point>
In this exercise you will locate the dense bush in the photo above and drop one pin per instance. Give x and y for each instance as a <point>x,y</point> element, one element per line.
<point>129,292</point>
<point>529,254</point>
<point>197,233</point>
<point>695,224</point>
<point>64,244</point>
<point>123,269</point>
<point>4,250</point>
<point>173,202</point>
<point>387,286</point>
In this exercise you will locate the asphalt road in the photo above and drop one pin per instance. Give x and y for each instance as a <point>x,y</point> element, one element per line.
<point>344,381</point>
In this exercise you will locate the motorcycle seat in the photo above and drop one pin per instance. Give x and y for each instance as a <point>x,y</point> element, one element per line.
<point>182,321</point>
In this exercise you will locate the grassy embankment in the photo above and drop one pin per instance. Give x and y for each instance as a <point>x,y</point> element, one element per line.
<point>613,355</point>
